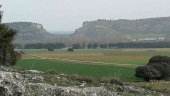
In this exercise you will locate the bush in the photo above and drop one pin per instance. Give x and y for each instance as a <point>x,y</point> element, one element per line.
<point>147,72</point>
<point>50,49</point>
<point>70,49</point>
<point>159,59</point>
<point>157,68</point>
<point>163,68</point>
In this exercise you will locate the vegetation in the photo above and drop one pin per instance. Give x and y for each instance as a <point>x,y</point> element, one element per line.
<point>42,46</point>
<point>157,68</point>
<point>70,49</point>
<point>7,53</point>
<point>109,62</point>
<point>70,68</point>
<point>76,46</point>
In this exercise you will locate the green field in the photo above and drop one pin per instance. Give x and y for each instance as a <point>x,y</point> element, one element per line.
<point>96,71</point>
<point>120,63</point>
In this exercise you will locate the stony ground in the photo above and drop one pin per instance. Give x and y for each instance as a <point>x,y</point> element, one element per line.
<point>35,83</point>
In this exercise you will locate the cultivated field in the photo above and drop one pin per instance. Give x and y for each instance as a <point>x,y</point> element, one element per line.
<point>95,63</point>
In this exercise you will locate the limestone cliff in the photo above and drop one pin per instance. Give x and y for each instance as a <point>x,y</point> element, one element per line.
<point>29,31</point>
<point>122,30</point>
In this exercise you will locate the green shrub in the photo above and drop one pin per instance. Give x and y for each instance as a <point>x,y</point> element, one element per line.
<point>159,59</point>
<point>147,72</point>
<point>157,68</point>
<point>163,68</point>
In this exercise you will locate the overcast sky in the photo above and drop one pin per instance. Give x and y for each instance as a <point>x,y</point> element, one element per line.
<point>67,15</point>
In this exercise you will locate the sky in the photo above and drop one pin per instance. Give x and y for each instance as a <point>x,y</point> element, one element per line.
<point>68,15</point>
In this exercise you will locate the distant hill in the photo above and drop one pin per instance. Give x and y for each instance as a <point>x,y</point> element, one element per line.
<point>99,31</point>
<point>124,30</point>
<point>29,31</point>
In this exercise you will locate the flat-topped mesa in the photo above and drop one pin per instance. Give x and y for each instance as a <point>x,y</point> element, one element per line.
<point>29,31</point>
<point>27,27</point>
<point>123,30</point>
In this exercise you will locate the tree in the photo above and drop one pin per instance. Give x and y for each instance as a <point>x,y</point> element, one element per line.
<point>89,46</point>
<point>76,46</point>
<point>103,45</point>
<point>95,45</point>
<point>7,53</point>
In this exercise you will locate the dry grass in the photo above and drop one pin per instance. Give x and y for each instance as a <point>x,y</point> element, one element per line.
<point>160,86</point>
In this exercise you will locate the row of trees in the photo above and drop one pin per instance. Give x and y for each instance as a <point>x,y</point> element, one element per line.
<point>41,46</point>
<point>123,45</point>
<point>97,45</point>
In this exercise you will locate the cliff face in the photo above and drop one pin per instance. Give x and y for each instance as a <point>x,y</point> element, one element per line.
<point>29,31</point>
<point>124,30</point>
<point>99,31</point>
<point>27,27</point>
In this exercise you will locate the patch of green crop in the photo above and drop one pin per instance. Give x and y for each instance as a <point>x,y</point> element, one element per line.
<point>96,71</point>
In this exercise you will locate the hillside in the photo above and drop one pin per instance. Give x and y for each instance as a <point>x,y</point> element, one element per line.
<point>29,31</point>
<point>124,30</point>
<point>100,31</point>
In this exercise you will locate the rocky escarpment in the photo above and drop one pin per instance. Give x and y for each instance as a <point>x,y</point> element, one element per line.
<point>29,31</point>
<point>123,30</point>
<point>31,83</point>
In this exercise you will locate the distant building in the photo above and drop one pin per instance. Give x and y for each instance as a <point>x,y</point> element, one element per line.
<point>149,39</point>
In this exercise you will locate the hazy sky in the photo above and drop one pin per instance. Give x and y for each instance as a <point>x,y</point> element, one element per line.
<point>67,15</point>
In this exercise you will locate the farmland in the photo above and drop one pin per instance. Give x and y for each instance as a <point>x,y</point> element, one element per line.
<point>96,63</point>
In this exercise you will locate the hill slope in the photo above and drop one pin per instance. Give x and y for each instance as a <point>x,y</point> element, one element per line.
<point>100,31</point>
<point>28,31</point>
<point>124,30</point>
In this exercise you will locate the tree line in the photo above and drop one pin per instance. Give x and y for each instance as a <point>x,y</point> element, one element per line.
<point>123,45</point>
<point>95,45</point>
<point>41,46</point>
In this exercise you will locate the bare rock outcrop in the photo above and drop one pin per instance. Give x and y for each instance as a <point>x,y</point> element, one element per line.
<point>32,83</point>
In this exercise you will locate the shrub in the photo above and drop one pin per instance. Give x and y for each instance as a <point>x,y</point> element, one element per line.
<point>147,72</point>
<point>157,68</point>
<point>70,49</point>
<point>159,59</point>
<point>50,49</point>
<point>163,68</point>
